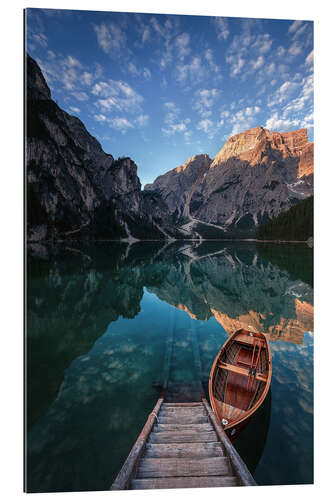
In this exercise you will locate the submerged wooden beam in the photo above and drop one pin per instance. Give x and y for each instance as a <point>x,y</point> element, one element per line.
<point>127,471</point>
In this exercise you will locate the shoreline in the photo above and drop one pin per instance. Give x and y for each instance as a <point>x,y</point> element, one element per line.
<point>246,240</point>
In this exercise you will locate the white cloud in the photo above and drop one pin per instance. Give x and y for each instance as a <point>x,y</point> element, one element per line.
<point>40,38</point>
<point>87,78</point>
<point>194,71</point>
<point>72,62</point>
<point>110,38</point>
<point>133,69</point>
<point>69,77</point>
<point>294,26</point>
<point>116,94</point>
<point>222,28</point>
<point>171,120</point>
<point>280,51</point>
<point>262,43</point>
<point>172,128</point>
<point>145,34</point>
<point>80,96</point>
<point>100,117</point>
<point>142,120</point>
<point>209,56</point>
<point>243,119</point>
<point>205,125</point>
<point>120,123</point>
<point>256,64</point>
<point>295,49</point>
<point>204,99</point>
<point>278,124</point>
<point>74,109</point>
<point>182,45</point>
<point>146,73</point>
<point>309,59</point>
<point>283,93</point>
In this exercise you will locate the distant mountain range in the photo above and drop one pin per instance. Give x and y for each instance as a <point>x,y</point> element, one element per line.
<point>76,190</point>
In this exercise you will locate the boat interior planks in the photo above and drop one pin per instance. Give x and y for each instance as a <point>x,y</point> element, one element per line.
<point>240,379</point>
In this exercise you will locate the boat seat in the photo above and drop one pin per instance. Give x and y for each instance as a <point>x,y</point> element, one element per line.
<point>241,371</point>
<point>247,340</point>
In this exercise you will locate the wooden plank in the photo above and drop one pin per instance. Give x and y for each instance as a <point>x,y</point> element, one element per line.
<point>125,474</point>
<point>182,467</point>
<point>181,405</point>
<point>238,465</point>
<point>244,339</point>
<point>167,412</point>
<point>182,437</point>
<point>183,482</point>
<point>240,371</point>
<point>183,427</point>
<point>191,419</point>
<point>185,450</point>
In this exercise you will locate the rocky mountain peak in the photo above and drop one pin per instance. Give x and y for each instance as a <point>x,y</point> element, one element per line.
<point>37,88</point>
<point>177,185</point>
<point>240,145</point>
<point>258,145</point>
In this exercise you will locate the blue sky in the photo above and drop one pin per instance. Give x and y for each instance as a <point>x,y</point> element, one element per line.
<point>162,88</point>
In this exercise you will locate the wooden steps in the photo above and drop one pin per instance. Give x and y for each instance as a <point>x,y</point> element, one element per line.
<point>182,446</point>
<point>181,467</point>
<point>183,451</point>
<point>183,482</point>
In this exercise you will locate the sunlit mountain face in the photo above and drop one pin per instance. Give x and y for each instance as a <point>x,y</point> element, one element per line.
<point>99,319</point>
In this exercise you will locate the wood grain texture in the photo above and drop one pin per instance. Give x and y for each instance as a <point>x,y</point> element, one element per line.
<point>182,467</point>
<point>182,437</point>
<point>190,419</point>
<point>184,450</point>
<point>183,482</point>
<point>205,427</point>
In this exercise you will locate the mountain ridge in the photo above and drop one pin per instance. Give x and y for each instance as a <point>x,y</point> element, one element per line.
<point>76,190</point>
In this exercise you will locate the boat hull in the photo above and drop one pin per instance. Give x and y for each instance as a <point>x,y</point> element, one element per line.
<point>240,379</point>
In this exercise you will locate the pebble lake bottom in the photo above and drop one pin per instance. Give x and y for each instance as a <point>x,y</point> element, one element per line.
<point>98,321</point>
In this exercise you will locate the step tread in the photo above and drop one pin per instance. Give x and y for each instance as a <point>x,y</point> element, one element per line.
<point>159,427</point>
<point>180,467</point>
<point>182,437</point>
<point>187,419</point>
<point>183,450</point>
<point>181,405</point>
<point>179,410</point>
<point>184,482</point>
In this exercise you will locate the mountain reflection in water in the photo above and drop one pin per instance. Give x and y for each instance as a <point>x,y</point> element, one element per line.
<point>98,319</point>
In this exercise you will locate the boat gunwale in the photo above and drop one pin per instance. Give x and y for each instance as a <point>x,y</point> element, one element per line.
<point>254,408</point>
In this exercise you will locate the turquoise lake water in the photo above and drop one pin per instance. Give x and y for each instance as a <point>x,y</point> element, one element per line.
<point>98,321</point>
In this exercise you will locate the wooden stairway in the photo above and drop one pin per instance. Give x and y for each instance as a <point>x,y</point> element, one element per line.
<point>182,446</point>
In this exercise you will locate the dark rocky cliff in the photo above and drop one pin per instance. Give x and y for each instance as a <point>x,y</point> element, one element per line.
<point>74,188</point>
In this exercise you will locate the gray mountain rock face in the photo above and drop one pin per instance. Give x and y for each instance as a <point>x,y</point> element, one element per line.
<point>74,188</point>
<point>177,186</point>
<point>256,175</point>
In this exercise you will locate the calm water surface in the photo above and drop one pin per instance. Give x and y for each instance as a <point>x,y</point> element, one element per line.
<point>98,322</point>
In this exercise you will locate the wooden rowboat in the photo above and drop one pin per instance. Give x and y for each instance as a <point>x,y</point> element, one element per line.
<point>240,379</point>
